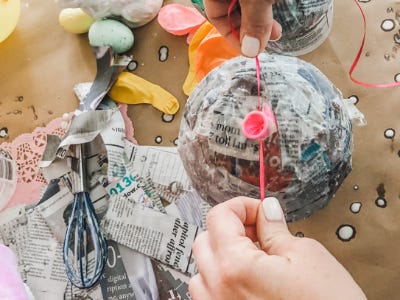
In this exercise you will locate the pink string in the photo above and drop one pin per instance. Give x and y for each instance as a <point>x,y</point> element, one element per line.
<point>355,62</point>
<point>230,8</point>
<point>261,153</point>
<point>259,106</point>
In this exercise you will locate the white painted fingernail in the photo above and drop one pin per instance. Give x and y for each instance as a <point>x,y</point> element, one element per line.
<point>250,46</point>
<point>272,209</point>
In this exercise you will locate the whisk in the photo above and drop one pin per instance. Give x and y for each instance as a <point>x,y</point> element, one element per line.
<point>83,236</point>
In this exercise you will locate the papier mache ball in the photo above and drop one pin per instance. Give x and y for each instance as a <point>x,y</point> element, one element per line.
<point>306,159</point>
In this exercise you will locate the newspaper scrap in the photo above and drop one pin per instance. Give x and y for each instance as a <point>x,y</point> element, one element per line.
<point>193,209</point>
<point>85,127</point>
<point>172,285</point>
<point>162,163</point>
<point>108,68</point>
<point>113,284</point>
<point>162,237</point>
<point>25,231</point>
<point>136,188</point>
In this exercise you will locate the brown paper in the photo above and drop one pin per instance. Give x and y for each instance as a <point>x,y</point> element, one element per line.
<point>41,63</point>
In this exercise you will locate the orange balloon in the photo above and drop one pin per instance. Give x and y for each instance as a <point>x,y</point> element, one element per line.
<point>207,50</point>
<point>190,81</point>
<point>212,51</point>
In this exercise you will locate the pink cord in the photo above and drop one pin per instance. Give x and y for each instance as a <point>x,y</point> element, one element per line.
<point>355,62</point>
<point>261,158</point>
<point>256,123</point>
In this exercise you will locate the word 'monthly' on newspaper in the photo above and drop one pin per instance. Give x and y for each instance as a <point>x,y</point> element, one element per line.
<point>163,237</point>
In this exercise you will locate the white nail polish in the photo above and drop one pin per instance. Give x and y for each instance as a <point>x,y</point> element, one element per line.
<point>250,46</point>
<point>272,209</point>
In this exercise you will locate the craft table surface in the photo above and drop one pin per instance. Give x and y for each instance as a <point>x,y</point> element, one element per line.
<point>40,63</point>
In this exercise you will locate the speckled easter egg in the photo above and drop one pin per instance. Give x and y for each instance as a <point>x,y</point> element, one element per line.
<point>111,33</point>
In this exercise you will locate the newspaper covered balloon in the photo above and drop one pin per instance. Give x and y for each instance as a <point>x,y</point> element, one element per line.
<point>307,153</point>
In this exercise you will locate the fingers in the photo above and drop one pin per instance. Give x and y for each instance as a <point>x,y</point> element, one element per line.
<point>203,254</point>
<point>272,231</point>
<point>253,19</point>
<point>227,221</point>
<point>198,288</point>
<point>217,13</point>
<point>257,24</point>
<point>251,232</point>
<point>276,31</point>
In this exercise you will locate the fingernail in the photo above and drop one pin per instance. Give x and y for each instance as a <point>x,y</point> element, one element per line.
<point>250,46</point>
<point>272,209</point>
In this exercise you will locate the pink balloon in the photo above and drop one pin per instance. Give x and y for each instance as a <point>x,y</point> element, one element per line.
<point>179,19</point>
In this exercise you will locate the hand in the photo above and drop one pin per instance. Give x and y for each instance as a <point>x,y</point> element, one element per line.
<point>232,266</point>
<point>253,20</point>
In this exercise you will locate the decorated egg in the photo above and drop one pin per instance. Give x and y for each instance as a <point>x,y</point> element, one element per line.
<point>75,20</point>
<point>307,155</point>
<point>111,33</point>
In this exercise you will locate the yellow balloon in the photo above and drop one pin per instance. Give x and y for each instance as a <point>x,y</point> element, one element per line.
<point>9,15</point>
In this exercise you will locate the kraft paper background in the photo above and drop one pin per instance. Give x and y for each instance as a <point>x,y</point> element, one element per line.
<point>41,62</point>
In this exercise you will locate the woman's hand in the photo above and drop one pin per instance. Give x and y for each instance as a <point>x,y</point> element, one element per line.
<point>232,266</point>
<point>252,19</point>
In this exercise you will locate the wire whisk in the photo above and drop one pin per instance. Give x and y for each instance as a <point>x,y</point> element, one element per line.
<point>85,249</point>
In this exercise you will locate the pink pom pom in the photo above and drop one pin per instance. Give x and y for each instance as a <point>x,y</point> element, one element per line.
<point>259,124</point>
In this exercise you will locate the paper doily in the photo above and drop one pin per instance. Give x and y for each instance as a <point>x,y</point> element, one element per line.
<point>27,150</point>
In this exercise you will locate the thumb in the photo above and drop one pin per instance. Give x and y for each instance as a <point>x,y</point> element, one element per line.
<point>272,232</point>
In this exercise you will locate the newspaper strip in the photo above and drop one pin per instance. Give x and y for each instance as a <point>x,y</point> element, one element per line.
<point>172,285</point>
<point>113,284</point>
<point>86,126</point>
<point>39,255</point>
<point>169,193</point>
<point>136,188</point>
<point>113,134</point>
<point>190,208</point>
<point>140,273</point>
<point>162,237</point>
<point>162,163</point>
<point>109,66</point>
